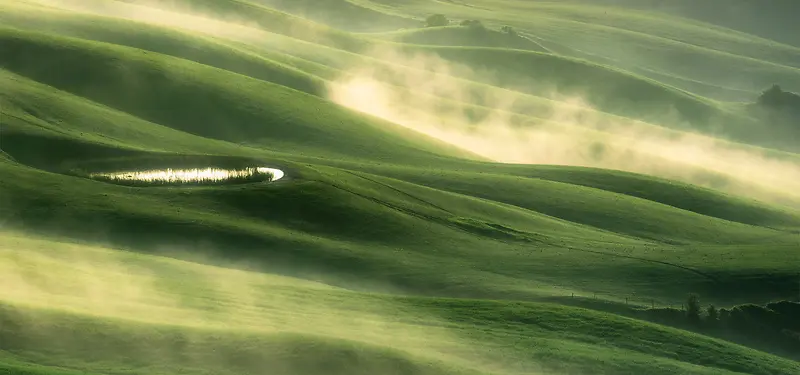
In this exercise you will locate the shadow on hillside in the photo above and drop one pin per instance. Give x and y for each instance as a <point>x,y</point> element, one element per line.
<point>773,328</point>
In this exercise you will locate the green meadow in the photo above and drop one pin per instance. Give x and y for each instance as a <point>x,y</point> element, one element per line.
<point>529,188</point>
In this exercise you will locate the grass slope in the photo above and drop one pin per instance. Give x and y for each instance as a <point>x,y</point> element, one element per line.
<point>356,227</point>
<point>608,211</point>
<point>345,14</point>
<point>610,90</point>
<point>658,227</point>
<point>631,38</point>
<point>774,22</point>
<point>220,323</point>
<point>163,40</point>
<point>688,197</point>
<point>398,253</point>
<point>462,36</point>
<point>250,13</point>
<point>244,109</point>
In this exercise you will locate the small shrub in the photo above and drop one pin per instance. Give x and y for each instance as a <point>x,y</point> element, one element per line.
<point>509,30</point>
<point>724,315</point>
<point>437,20</point>
<point>473,24</point>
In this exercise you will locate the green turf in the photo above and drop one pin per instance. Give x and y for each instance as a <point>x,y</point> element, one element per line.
<point>383,250</point>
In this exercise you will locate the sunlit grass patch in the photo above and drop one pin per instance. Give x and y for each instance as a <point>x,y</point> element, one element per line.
<point>193,176</point>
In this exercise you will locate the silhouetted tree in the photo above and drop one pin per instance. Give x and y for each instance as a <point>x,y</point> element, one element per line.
<point>724,315</point>
<point>772,96</point>
<point>775,97</point>
<point>693,307</point>
<point>713,314</point>
<point>436,20</point>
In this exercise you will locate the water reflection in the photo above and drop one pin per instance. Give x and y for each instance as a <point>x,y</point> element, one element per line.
<point>193,176</point>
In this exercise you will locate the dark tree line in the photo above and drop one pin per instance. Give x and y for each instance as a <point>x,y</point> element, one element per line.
<point>774,327</point>
<point>440,20</point>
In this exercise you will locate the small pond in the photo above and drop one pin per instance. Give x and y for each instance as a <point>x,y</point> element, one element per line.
<point>193,176</point>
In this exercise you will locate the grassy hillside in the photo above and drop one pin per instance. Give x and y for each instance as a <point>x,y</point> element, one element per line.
<point>462,36</point>
<point>243,107</point>
<point>383,249</point>
<point>633,39</point>
<point>348,15</point>
<point>611,90</point>
<point>252,14</point>
<point>162,40</point>
<point>774,22</point>
<point>218,322</point>
<point>355,227</point>
<point>684,196</point>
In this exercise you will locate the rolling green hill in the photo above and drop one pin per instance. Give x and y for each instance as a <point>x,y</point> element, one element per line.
<point>775,23</point>
<point>610,90</point>
<point>348,15</point>
<point>387,248</point>
<point>648,42</point>
<point>162,40</point>
<point>231,322</point>
<point>142,75</point>
<point>462,36</point>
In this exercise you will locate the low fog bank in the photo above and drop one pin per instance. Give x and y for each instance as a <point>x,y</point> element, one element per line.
<point>95,280</point>
<point>113,285</point>
<point>570,133</point>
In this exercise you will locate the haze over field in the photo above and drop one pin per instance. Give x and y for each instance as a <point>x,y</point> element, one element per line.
<point>499,134</point>
<point>570,133</point>
<point>398,187</point>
